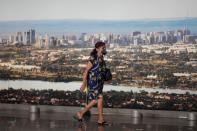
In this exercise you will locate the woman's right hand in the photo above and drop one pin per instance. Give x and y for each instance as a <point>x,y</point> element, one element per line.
<point>85,75</point>
<point>83,86</point>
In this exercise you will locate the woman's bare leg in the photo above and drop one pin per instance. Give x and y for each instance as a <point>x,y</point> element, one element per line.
<point>100,109</point>
<point>88,107</point>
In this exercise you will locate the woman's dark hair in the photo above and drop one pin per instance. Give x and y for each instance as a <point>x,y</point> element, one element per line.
<point>97,45</point>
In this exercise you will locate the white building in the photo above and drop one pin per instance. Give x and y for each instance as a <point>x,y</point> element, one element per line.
<point>183,48</point>
<point>182,74</point>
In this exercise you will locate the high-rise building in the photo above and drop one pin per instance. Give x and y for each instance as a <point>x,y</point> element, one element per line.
<point>29,37</point>
<point>11,39</point>
<point>25,38</point>
<point>170,38</point>
<point>186,32</point>
<point>136,41</point>
<point>19,37</point>
<point>84,37</point>
<point>179,35</point>
<point>47,41</point>
<point>40,42</point>
<point>32,36</point>
<point>111,38</point>
<point>160,37</point>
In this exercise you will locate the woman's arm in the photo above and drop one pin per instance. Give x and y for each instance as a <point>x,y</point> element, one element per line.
<point>85,75</point>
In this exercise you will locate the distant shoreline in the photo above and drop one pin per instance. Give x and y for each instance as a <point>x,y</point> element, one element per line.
<point>77,26</point>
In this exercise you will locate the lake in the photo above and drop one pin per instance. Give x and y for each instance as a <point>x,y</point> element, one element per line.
<point>72,86</point>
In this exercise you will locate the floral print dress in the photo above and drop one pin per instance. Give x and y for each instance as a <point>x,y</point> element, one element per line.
<point>96,77</point>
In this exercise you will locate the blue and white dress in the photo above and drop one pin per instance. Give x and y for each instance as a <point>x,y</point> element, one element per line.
<point>95,80</point>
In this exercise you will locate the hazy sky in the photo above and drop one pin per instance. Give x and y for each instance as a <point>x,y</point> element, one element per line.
<point>96,9</point>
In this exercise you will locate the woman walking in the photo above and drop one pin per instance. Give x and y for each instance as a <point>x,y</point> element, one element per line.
<point>93,78</point>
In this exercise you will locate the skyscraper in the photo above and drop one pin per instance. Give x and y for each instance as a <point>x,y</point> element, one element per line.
<point>29,37</point>
<point>19,37</point>
<point>32,36</point>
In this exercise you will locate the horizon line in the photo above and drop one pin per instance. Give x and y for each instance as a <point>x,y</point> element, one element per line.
<point>137,19</point>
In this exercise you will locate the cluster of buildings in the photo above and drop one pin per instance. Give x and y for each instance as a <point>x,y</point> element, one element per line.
<point>26,38</point>
<point>181,35</point>
<point>30,37</point>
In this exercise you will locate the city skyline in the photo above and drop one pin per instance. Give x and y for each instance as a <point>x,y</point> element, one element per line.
<point>96,9</point>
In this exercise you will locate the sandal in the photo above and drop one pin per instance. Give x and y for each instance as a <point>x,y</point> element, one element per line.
<point>78,119</point>
<point>103,123</point>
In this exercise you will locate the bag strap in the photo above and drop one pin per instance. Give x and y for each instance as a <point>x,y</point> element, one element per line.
<point>97,65</point>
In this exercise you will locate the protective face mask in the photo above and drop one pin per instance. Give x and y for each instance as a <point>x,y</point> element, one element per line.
<point>104,51</point>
